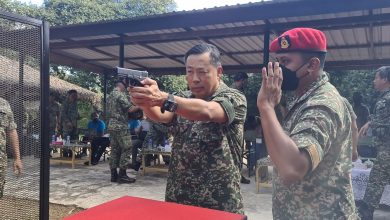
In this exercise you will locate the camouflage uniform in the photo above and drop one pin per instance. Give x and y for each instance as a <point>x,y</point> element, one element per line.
<point>69,113</point>
<point>320,124</point>
<point>350,109</point>
<point>380,173</point>
<point>54,111</point>
<point>204,169</point>
<point>118,105</point>
<point>6,124</point>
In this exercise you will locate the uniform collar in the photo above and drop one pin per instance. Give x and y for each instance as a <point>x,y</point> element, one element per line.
<point>221,88</point>
<point>321,80</point>
<point>384,93</point>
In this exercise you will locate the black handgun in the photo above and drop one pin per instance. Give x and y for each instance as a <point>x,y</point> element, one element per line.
<point>132,77</point>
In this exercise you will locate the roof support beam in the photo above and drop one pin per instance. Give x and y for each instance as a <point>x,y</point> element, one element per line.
<point>229,53</point>
<point>256,11</point>
<point>330,65</point>
<point>371,39</point>
<point>266,47</point>
<point>162,53</point>
<point>69,61</point>
<point>113,57</point>
<point>253,30</point>
<point>223,52</point>
<point>121,53</point>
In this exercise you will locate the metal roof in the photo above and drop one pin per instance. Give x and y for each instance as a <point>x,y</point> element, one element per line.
<point>358,35</point>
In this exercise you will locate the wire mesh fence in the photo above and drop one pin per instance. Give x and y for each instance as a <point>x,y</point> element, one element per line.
<point>20,118</point>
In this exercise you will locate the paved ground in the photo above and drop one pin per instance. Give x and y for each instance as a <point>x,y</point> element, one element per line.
<point>88,186</point>
<point>91,186</point>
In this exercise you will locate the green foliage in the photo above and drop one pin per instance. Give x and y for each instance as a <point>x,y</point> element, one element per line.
<point>251,90</point>
<point>85,109</point>
<point>172,83</point>
<point>64,12</point>
<point>348,82</point>
<point>17,7</point>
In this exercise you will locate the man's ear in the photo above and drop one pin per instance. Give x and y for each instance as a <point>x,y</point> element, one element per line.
<point>314,64</point>
<point>219,72</point>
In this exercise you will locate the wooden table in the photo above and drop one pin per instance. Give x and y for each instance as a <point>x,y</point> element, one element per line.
<point>156,167</point>
<point>75,148</point>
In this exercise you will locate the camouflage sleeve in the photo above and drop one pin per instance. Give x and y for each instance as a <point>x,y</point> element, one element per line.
<point>124,102</point>
<point>9,117</point>
<point>350,109</point>
<point>381,119</point>
<point>313,133</point>
<point>234,104</point>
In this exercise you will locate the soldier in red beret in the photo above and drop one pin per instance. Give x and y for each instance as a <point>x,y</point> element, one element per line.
<point>312,151</point>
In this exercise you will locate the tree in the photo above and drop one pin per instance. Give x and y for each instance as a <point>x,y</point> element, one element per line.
<point>172,83</point>
<point>65,12</point>
<point>21,8</point>
<point>348,82</point>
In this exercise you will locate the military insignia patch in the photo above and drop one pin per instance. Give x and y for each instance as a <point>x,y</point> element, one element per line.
<point>284,42</point>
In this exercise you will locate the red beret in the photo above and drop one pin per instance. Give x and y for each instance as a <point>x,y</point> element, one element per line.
<point>299,39</point>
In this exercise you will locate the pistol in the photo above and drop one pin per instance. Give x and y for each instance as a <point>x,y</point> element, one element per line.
<point>132,77</point>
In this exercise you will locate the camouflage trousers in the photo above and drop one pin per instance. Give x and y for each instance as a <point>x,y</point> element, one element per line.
<point>3,171</point>
<point>121,149</point>
<point>379,177</point>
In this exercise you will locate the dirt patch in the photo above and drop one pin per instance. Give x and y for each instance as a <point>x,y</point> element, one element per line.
<point>26,209</point>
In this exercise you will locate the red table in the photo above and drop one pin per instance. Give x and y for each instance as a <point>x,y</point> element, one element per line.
<point>128,208</point>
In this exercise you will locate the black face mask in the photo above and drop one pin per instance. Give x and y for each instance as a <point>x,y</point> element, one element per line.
<point>290,79</point>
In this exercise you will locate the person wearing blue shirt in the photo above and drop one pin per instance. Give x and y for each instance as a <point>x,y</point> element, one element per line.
<point>96,128</point>
<point>134,126</point>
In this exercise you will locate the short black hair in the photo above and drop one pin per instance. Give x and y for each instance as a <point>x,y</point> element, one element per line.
<point>240,76</point>
<point>215,55</point>
<point>320,55</point>
<point>72,91</point>
<point>384,72</point>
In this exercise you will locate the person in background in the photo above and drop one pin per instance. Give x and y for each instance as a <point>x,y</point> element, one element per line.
<point>380,124</point>
<point>8,131</point>
<point>96,128</point>
<point>134,126</point>
<point>118,106</point>
<point>54,115</point>
<point>70,115</point>
<point>360,109</point>
<point>240,83</point>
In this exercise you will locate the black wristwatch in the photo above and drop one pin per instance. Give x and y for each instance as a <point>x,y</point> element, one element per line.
<point>169,104</point>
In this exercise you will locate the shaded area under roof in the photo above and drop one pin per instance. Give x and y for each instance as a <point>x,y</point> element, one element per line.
<point>31,83</point>
<point>358,35</point>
